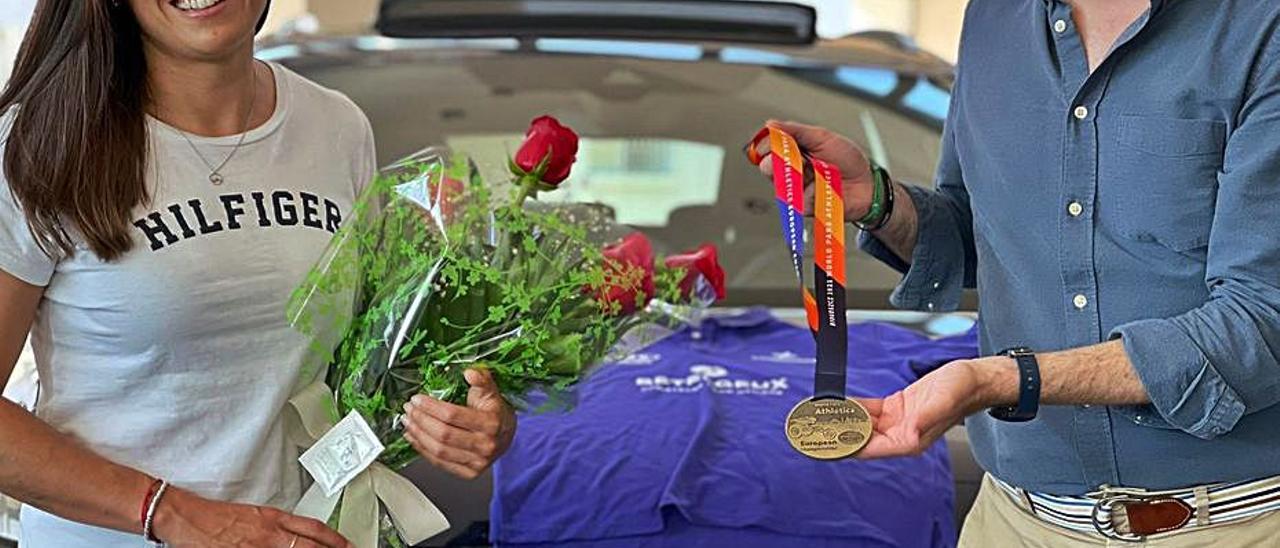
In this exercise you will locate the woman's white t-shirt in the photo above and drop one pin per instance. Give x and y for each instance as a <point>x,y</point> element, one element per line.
<point>177,358</point>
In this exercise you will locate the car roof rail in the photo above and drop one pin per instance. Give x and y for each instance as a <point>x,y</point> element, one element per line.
<point>764,22</point>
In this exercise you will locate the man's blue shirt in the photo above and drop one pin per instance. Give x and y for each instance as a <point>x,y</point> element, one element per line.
<point>1140,202</point>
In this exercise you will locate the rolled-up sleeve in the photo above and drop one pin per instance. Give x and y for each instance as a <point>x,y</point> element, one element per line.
<point>944,261</point>
<point>1209,367</point>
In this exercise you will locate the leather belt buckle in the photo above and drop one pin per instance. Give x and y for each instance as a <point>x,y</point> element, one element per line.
<point>1146,515</point>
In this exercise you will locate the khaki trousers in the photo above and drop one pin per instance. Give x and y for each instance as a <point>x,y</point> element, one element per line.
<point>996,521</point>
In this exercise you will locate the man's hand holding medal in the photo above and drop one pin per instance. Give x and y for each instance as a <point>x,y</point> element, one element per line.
<point>824,175</point>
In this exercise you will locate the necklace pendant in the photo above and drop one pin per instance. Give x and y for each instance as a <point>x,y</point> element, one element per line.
<point>215,178</point>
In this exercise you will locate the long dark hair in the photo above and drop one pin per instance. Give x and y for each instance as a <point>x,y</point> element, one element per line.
<point>76,149</point>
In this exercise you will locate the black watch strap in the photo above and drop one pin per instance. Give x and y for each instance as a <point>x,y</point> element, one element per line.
<point>1028,388</point>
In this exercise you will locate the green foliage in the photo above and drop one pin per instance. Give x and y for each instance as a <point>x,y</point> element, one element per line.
<point>667,281</point>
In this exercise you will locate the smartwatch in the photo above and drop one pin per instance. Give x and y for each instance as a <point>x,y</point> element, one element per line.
<point>1028,387</point>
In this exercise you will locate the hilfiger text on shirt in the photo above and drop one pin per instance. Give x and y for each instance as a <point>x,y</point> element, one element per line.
<point>280,208</point>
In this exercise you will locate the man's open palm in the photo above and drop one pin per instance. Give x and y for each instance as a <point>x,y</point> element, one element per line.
<point>909,421</point>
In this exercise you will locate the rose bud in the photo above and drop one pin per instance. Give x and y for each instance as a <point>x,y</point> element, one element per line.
<point>548,152</point>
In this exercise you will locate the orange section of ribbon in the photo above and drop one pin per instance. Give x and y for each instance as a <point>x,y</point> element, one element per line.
<point>811,310</point>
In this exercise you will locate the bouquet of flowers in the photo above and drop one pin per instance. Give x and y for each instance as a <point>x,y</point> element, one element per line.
<point>435,273</point>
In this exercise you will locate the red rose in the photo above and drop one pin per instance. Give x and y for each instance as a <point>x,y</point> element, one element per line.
<point>703,262</point>
<point>547,141</point>
<point>628,274</point>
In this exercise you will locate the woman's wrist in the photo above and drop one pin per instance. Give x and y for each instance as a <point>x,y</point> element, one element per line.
<point>168,517</point>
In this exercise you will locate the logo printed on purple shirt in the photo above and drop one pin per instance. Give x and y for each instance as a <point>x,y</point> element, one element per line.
<point>713,378</point>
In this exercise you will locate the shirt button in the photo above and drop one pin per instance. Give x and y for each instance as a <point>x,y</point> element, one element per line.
<point>1075,209</point>
<point>1059,26</point>
<point>1086,406</point>
<point>1080,301</point>
<point>937,285</point>
<point>1081,112</point>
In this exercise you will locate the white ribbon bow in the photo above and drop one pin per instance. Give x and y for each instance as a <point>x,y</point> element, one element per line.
<point>415,517</point>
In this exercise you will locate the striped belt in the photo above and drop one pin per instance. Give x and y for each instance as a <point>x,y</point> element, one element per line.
<point>1133,514</point>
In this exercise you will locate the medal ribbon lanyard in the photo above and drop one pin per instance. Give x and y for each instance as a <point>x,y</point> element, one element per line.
<point>826,312</point>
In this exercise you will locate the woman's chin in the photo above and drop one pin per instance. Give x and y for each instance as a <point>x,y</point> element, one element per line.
<point>203,30</point>
<point>209,41</point>
<point>208,45</point>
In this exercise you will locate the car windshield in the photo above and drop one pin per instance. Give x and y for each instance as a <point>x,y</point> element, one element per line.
<point>662,134</point>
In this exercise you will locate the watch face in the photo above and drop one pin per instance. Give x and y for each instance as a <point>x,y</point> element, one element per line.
<point>1017,351</point>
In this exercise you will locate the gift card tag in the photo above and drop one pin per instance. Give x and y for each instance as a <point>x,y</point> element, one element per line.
<point>342,453</point>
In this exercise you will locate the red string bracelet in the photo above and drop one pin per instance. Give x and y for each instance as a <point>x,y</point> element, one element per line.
<point>146,502</point>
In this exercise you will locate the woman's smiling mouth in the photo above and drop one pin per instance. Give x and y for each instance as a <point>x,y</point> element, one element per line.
<point>196,7</point>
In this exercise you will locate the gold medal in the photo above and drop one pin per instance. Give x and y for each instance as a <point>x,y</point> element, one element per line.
<point>828,429</point>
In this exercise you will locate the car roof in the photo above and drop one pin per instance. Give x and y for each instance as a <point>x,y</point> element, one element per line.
<point>873,49</point>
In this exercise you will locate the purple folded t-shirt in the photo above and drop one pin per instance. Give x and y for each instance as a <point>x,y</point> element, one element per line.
<point>682,444</point>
